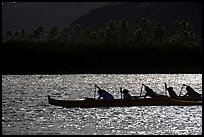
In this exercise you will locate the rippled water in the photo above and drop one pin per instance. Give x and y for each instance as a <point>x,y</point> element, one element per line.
<point>25,109</point>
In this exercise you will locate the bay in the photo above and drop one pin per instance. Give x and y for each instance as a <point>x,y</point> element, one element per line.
<point>25,108</point>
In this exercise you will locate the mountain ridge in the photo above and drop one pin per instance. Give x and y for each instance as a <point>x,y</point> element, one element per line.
<point>165,13</point>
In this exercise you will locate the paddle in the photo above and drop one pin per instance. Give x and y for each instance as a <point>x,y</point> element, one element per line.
<point>94,92</point>
<point>181,89</point>
<point>165,88</point>
<point>141,90</point>
<point>121,96</point>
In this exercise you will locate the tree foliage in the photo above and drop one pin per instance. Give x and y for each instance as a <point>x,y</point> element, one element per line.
<point>119,32</point>
<point>146,43</point>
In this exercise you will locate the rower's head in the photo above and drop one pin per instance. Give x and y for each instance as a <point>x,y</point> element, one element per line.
<point>188,88</point>
<point>100,91</point>
<point>146,88</point>
<point>125,91</point>
<point>170,88</point>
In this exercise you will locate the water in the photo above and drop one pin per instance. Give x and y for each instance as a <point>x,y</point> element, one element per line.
<point>25,109</point>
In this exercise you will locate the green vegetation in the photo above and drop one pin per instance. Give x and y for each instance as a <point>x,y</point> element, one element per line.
<point>119,46</point>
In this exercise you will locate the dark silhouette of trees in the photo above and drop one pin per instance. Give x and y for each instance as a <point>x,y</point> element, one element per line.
<point>53,34</point>
<point>136,47</point>
<point>159,33</point>
<point>38,34</point>
<point>184,34</point>
<point>9,36</point>
<point>64,35</point>
<point>113,33</point>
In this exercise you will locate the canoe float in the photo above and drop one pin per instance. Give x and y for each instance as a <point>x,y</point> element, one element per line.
<point>93,103</point>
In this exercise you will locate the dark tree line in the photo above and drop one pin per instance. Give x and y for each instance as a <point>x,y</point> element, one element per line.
<point>118,46</point>
<point>113,33</point>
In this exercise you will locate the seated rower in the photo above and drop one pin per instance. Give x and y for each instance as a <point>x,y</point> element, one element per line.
<point>151,93</point>
<point>104,94</point>
<point>191,92</point>
<point>172,93</point>
<point>126,94</point>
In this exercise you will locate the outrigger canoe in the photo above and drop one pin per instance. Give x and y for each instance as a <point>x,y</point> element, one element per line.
<point>93,103</point>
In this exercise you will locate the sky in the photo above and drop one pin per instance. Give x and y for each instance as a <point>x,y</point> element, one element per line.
<point>28,15</point>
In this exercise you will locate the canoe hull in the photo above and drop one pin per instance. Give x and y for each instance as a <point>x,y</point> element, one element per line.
<point>91,103</point>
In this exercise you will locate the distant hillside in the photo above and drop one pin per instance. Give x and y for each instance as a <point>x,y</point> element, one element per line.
<point>162,12</point>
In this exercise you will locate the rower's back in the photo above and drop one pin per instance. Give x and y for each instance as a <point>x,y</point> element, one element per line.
<point>105,95</point>
<point>191,92</point>
<point>172,93</point>
<point>150,92</point>
<point>126,94</point>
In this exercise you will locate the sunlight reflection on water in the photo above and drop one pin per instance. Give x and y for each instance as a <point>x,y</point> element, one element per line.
<point>25,109</point>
